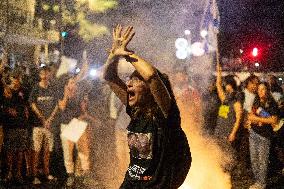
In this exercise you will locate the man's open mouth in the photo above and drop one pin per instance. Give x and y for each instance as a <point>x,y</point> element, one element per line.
<point>131,94</point>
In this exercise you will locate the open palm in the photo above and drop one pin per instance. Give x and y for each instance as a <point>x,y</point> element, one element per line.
<point>121,40</point>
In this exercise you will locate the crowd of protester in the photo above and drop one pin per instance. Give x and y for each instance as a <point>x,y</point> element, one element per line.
<point>246,122</point>
<point>35,109</point>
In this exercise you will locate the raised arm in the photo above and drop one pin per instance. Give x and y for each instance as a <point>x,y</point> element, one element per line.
<point>69,91</point>
<point>84,70</point>
<point>4,61</point>
<point>264,120</point>
<point>220,90</point>
<point>120,42</point>
<point>144,68</point>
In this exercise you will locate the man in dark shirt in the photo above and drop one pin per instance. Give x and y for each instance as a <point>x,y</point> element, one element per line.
<point>14,110</point>
<point>263,118</point>
<point>1,117</point>
<point>44,105</point>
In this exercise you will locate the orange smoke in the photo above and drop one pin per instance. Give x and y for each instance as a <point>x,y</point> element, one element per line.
<point>207,158</point>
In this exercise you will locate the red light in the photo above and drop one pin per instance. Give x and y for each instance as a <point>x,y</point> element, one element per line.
<point>255,52</point>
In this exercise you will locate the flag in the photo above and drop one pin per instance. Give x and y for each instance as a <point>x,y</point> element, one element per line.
<point>210,23</point>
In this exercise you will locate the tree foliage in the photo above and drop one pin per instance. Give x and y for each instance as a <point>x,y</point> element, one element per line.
<point>77,14</point>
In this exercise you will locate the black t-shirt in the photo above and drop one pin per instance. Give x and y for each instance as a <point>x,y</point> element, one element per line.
<point>45,100</point>
<point>142,134</point>
<point>226,116</point>
<point>158,148</point>
<point>17,103</point>
<point>71,111</point>
<point>272,109</point>
<point>73,106</point>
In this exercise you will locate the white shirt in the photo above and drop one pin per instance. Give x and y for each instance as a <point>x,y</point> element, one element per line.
<point>249,99</point>
<point>277,96</point>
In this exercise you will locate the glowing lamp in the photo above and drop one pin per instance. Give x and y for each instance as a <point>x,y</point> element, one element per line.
<point>197,49</point>
<point>93,72</point>
<point>255,52</point>
<point>181,43</point>
<point>181,54</point>
<point>203,33</point>
<point>187,32</point>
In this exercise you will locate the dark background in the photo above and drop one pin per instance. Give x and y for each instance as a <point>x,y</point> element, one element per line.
<point>245,24</point>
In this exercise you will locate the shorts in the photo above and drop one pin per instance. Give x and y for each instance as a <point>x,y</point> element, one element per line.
<point>16,139</point>
<point>42,136</point>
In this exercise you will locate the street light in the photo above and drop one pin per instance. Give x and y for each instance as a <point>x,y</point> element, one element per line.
<point>187,32</point>
<point>181,54</point>
<point>181,43</point>
<point>93,72</point>
<point>197,49</point>
<point>203,33</point>
<point>255,52</point>
<point>77,70</point>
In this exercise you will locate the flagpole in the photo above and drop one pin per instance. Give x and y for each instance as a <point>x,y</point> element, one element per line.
<point>204,13</point>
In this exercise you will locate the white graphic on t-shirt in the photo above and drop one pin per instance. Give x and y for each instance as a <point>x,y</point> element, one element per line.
<point>44,98</point>
<point>135,171</point>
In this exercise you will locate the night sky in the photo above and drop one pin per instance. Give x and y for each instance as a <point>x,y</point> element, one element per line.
<point>245,24</point>
<point>252,15</point>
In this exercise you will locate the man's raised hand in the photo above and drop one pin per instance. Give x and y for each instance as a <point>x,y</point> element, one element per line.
<point>121,40</point>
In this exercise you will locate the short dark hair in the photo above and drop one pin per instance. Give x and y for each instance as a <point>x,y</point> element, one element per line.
<point>270,98</point>
<point>136,74</point>
<point>230,80</point>
<point>250,79</point>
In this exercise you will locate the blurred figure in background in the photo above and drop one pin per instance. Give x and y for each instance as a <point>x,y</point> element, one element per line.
<point>275,88</point>
<point>44,105</point>
<point>185,98</point>
<point>70,109</point>
<point>229,118</point>
<point>249,91</point>
<point>211,104</point>
<point>277,144</point>
<point>2,75</point>
<point>15,111</point>
<point>82,145</point>
<point>278,139</point>
<point>263,117</point>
